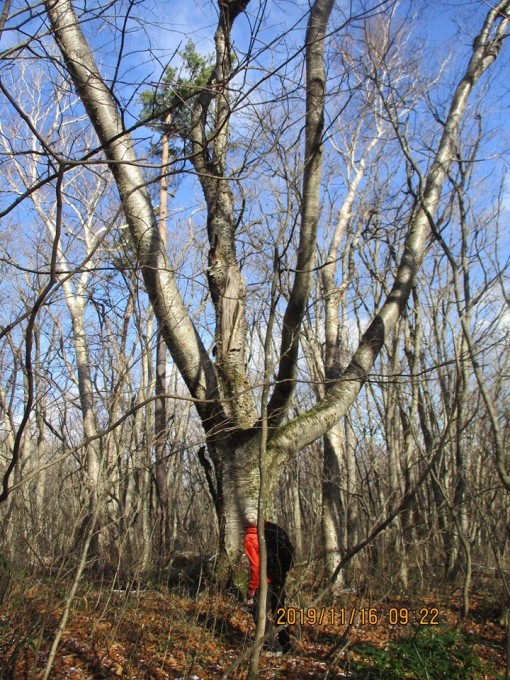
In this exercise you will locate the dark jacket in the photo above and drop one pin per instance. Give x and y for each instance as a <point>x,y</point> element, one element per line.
<point>280,554</point>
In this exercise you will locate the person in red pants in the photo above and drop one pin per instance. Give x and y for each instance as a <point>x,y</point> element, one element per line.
<point>280,554</point>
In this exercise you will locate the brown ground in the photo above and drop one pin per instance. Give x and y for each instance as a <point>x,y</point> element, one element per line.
<point>155,635</point>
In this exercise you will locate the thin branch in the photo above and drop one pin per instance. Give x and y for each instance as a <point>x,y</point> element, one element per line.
<point>29,338</point>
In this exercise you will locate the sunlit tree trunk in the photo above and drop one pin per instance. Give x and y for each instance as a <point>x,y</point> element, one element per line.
<point>160,410</point>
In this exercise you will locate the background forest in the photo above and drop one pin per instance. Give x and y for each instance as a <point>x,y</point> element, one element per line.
<point>252,251</point>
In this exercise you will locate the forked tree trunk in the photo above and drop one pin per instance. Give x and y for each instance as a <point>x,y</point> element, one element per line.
<point>222,391</point>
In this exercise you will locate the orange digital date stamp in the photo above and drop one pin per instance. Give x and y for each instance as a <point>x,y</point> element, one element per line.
<point>353,616</point>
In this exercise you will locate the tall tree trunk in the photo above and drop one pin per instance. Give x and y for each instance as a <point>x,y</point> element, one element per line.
<point>333,508</point>
<point>160,410</point>
<point>38,458</point>
<point>295,502</point>
<point>86,394</point>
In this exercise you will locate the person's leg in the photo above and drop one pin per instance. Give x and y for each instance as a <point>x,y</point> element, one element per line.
<point>276,595</point>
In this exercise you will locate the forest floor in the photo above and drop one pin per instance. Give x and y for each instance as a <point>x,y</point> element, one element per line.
<point>158,635</point>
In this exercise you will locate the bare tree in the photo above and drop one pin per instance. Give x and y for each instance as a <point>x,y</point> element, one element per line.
<point>222,385</point>
<point>232,427</point>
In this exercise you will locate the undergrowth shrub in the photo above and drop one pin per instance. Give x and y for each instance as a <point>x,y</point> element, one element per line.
<point>429,654</point>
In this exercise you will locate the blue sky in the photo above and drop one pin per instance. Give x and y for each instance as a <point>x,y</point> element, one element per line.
<point>446,28</point>
<point>157,30</point>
